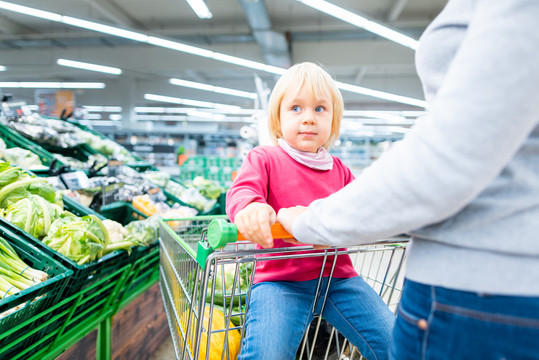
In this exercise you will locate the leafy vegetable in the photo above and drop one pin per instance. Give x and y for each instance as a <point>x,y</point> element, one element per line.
<point>20,189</point>
<point>22,157</point>
<point>208,188</point>
<point>9,174</point>
<point>136,233</point>
<point>80,239</point>
<point>33,214</point>
<point>15,274</point>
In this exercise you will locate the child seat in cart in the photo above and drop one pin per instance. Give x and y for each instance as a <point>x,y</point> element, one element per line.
<point>206,275</point>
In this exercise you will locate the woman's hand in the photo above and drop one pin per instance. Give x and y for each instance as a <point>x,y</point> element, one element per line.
<point>254,223</point>
<point>287,216</point>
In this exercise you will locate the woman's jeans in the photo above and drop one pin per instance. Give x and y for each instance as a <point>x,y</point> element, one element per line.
<point>280,312</point>
<point>439,323</point>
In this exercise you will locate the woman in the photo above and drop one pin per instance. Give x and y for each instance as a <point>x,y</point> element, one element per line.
<point>464,183</point>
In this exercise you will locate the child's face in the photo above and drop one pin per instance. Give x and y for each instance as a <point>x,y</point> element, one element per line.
<point>306,120</point>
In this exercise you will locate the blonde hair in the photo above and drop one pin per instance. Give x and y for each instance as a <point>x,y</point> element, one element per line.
<point>320,83</point>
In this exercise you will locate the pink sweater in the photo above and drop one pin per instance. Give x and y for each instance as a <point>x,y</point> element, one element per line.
<point>269,175</point>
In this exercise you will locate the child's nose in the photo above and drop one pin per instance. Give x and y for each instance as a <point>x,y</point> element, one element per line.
<point>308,117</point>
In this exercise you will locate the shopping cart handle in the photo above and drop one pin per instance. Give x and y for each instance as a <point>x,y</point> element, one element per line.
<point>221,232</point>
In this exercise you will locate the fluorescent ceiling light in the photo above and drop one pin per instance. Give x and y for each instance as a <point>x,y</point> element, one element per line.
<point>2,68</point>
<point>185,110</point>
<point>200,8</point>
<point>88,66</point>
<point>91,108</point>
<point>115,117</point>
<point>52,85</point>
<point>90,25</point>
<point>188,118</point>
<point>30,11</point>
<point>217,89</point>
<point>174,45</point>
<point>189,102</point>
<point>99,122</point>
<point>381,94</point>
<point>393,117</point>
<point>362,22</point>
<point>199,51</point>
<point>82,85</point>
<point>206,115</point>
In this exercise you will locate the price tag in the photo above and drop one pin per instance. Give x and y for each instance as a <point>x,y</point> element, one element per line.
<point>56,182</point>
<point>111,193</point>
<point>75,180</point>
<point>113,167</point>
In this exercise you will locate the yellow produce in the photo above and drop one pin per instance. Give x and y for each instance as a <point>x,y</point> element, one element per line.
<point>217,339</point>
<point>144,204</point>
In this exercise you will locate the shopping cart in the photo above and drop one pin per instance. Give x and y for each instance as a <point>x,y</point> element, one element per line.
<point>206,277</point>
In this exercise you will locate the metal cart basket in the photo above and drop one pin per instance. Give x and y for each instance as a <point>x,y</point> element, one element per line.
<point>205,293</point>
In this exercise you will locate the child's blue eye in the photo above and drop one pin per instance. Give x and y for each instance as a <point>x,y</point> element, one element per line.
<point>319,109</point>
<point>296,108</point>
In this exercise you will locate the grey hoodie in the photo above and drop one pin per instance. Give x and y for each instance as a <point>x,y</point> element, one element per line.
<point>464,182</point>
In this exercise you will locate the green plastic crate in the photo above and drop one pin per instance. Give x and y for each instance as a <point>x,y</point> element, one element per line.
<point>144,261</point>
<point>22,328</point>
<point>78,209</point>
<point>195,161</point>
<point>144,274</point>
<point>80,152</point>
<point>122,212</point>
<point>78,314</point>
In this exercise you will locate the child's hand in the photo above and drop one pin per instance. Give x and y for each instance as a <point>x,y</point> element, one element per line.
<point>254,223</point>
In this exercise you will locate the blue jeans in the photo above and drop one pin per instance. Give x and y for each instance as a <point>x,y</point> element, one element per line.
<point>280,312</point>
<point>439,323</point>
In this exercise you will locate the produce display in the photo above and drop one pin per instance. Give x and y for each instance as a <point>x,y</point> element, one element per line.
<point>55,133</point>
<point>146,205</point>
<point>208,188</point>
<point>189,194</point>
<point>201,193</point>
<point>84,240</point>
<point>33,205</point>
<point>22,157</point>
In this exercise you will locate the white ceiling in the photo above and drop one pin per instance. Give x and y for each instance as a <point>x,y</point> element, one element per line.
<point>30,46</point>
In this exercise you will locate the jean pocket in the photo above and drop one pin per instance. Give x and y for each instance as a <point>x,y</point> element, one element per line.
<point>413,320</point>
<point>408,336</point>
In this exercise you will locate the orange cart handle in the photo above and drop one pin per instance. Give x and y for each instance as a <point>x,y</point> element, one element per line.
<point>277,232</point>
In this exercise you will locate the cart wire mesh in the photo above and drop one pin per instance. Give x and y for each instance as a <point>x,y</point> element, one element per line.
<point>206,305</point>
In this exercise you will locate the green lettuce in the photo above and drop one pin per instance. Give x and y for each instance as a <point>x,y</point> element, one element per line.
<point>80,239</point>
<point>10,174</point>
<point>24,186</point>
<point>33,214</point>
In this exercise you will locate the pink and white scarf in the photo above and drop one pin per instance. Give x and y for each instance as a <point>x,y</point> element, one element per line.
<point>320,160</point>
